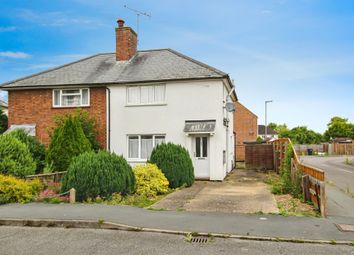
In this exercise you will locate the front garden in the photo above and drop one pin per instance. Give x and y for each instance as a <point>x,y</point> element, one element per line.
<point>98,176</point>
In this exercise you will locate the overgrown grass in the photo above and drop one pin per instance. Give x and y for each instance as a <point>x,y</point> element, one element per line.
<point>349,161</point>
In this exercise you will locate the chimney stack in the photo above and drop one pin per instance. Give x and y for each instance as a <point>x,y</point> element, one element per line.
<point>126,42</point>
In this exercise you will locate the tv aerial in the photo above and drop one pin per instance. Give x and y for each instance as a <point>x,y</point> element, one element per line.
<point>138,14</point>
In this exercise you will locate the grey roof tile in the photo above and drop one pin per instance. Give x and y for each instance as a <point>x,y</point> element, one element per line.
<point>151,65</point>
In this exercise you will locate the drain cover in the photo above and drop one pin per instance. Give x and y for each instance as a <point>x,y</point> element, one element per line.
<point>199,239</point>
<point>345,227</point>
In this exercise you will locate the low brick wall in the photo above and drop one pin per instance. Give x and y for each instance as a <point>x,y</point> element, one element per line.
<point>259,156</point>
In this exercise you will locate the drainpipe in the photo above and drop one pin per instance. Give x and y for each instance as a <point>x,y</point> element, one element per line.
<point>108,96</point>
<point>227,130</point>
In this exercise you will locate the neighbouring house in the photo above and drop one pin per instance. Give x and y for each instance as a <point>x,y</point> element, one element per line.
<point>3,106</point>
<point>245,127</point>
<point>271,133</point>
<point>139,99</point>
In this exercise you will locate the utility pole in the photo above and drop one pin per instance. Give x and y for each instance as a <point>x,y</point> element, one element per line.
<point>266,125</point>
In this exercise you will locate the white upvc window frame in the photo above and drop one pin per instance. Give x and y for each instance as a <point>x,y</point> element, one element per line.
<point>139,158</point>
<point>140,88</point>
<point>61,95</point>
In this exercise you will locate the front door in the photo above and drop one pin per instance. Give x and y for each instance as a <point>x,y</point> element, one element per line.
<point>201,157</point>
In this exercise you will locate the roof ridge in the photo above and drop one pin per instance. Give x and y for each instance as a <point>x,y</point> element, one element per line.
<point>197,62</point>
<point>53,69</point>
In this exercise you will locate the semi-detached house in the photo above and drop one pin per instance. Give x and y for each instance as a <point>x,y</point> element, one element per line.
<point>139,100</point>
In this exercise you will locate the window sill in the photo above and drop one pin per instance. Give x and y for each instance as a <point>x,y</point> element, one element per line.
<point>65,107</point>
<point>138,105</point>
<point>132,160</point>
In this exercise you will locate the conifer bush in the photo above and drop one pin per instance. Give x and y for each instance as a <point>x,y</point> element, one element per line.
<point>99,174</point>
<point>175,163</point>
<point>15,157</point>
<point>36,149</point>
<point>67,141</point>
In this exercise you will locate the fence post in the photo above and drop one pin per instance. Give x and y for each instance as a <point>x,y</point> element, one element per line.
<point>305,187</point>
<point>323,199</point>
<point>72,195</point>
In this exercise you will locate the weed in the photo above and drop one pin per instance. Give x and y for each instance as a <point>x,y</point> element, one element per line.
<point>333,242</point>
<point>100,221</point>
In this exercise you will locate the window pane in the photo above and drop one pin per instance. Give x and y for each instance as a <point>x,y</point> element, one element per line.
<point>159,139</point>
<point>146,146</point>
<point>197,147</point>
<point>205,147</point>
<point>71,91</point>
<point>147,95</point>
<point>56,98</point>
<point>71,100</point>
<point>133,145</point>
<point>133,95</point>
<point>160,93</point>
<point>85,97</point>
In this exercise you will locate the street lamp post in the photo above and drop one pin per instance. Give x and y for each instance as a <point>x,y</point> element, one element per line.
<point>266,126</point>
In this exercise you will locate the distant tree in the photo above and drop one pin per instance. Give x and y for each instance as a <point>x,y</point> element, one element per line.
<point>282,129</point>
<point>339,127</point>
<point>3,122</point>
<point>303,135</point>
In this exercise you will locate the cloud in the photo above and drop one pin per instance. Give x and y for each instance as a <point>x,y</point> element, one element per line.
<point>7,29</point>
<point>14,54</point>
<point>56,19</point>
<point>266,12</point>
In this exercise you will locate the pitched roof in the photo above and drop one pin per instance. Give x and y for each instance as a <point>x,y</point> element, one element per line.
<point>261,130</point>
<point>145,66</point>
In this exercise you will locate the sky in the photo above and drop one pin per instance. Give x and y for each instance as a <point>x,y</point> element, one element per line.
<point>298,53</point>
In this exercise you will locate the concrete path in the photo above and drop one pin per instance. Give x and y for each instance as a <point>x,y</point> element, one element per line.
<point>339,184</point>
<point>243,191</point>
<point>239,224</point>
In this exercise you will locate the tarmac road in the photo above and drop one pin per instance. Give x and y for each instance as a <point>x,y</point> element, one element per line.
<point>339,183</point>
<point>27,240</point>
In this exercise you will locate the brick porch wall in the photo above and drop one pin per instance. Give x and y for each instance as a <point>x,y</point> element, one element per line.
<point>245,127</point>
<point>35,107</point>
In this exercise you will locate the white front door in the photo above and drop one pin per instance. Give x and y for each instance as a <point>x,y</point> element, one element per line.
<point>201,156</point>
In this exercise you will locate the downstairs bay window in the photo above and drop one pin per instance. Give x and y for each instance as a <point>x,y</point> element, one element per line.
<point>141,146</point>
<point>71,97</point>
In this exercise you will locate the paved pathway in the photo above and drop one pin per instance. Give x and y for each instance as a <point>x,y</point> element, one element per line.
<point>239,224</point>
<point>339,184</point>
<point>243,191</point>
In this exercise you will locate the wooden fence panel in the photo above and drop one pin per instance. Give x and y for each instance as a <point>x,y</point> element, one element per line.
<point>259,156</point>
<point>343,148</point>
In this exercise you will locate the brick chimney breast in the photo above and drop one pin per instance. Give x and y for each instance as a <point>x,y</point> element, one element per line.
<point>126,42</point>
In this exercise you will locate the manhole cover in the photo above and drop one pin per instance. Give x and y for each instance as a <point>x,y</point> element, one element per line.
<point>345,227</point>
<point>199,239</point>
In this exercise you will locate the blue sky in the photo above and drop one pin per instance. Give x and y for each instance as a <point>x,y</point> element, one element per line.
<point>298,53</point>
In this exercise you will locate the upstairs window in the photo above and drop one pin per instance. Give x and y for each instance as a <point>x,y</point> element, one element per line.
<point>145,95</point>
<point>71,97</point>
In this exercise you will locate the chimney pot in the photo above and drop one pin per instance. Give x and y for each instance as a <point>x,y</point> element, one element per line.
<point>120,22</point>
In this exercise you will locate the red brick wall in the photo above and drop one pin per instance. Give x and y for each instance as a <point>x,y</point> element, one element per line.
<point>35,107</point>
<point>245,127</point>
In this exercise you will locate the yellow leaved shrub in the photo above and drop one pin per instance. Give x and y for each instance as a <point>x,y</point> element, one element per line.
<point>150,181</point>
<point>14,190</point>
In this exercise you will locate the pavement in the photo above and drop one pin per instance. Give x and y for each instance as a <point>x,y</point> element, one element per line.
<point>241,225</point>
<point>27,240</point>
<point>243,191</point>
<point>339,183</point>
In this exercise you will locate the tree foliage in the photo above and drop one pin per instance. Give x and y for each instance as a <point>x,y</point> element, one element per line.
<point>99,174</point>
<point>88,124</point>
<point>175,163</point>
<point>298,135</point>
<point>339,127</point>
<point>36,149</point>
<point>15,157</point>
<point>3,122</point>
<point>67,141</point>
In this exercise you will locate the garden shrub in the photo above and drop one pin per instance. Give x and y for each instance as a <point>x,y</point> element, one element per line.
<point>15,157</point>
<point>88,124</point>
<point>150,181</point>
<point>13,190</point>
<point>67,141</point>
<point>36,149</point>
<point>99,174</point>
<point>3,122</point>
<point>175,163</point>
